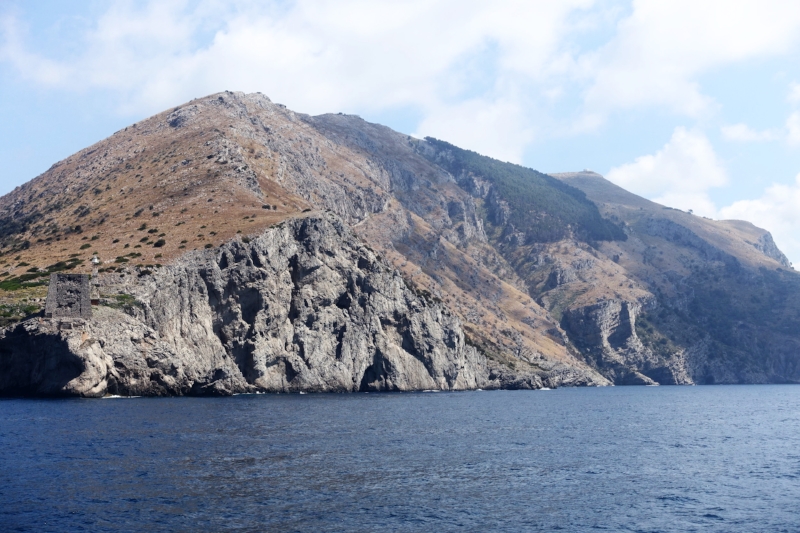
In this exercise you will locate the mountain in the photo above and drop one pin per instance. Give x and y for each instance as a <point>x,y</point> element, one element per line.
<point>719,302</point>
<point>551,280</point>
<point>303,307</point>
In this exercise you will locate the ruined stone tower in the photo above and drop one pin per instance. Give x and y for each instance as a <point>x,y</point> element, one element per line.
<point>69,296</point>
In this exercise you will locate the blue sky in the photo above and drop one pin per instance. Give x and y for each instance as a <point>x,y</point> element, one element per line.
<point>692,103</point>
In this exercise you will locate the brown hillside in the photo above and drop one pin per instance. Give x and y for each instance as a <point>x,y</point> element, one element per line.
<point>233,164</point>
<point>561,280</point>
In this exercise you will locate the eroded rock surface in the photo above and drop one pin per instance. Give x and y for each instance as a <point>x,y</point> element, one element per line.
<point>303,307</point>
<point>555,280</point>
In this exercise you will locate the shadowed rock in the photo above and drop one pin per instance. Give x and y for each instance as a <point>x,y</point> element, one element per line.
<point>303,307</point>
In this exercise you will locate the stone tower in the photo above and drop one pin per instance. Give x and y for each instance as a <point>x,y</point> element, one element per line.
<point>69,296</point>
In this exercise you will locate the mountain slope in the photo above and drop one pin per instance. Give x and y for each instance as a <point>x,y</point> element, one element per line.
<point>243,152</point>
<point>303,307</point>
<point>721,302</point>
<point>556,280</point>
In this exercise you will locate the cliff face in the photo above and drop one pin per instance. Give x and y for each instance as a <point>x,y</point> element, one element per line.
<point>701,301</point>
<point>303,307</point>
<point>435,232</point>
<point>196,175</point>
<point>505,277</point>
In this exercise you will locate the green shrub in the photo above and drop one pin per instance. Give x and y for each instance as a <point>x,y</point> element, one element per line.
<point>10,285</point>
<point>544,208</point>
<point>125,302</point>
<point>26,280</point>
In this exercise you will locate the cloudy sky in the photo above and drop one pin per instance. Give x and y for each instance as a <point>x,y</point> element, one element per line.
<point>695,104</point>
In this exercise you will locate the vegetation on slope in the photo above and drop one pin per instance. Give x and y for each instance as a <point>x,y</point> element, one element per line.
<point>748,318</point>
<point>542,207</point>
<point>35,277</point>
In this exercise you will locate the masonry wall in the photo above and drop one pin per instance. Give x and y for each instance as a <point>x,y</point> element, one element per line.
<point>69,296</point>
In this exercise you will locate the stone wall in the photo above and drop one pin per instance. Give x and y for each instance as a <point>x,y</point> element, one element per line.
<point>69,296</point>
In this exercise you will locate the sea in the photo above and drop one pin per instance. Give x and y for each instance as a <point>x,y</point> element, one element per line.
<point>644,459</point>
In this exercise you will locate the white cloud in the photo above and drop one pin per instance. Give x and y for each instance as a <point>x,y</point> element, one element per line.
<point>33,67</point>
<point>778,210</point>
<point>661,48</point>
<point>793,128</point>
<point>794,93</point>
<point>679,175</point>
<point>790,133</point>
<point>743,133</point>
<point>466,125</point>
<point>793,122</point>
<point>437,56</point>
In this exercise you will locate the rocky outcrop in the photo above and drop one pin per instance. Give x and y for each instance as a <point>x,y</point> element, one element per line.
<point>716,300</point>
<point>683,236</point>
<point>434,232</point>
<point>767,246</point>
<point>303,307</point>
<point>606,334</point>
<point>555,282</point>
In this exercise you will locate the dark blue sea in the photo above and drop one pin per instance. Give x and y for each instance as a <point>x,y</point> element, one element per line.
<point>714,458</point>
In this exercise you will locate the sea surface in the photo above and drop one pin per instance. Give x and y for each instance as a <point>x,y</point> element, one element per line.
<point>713,458</point>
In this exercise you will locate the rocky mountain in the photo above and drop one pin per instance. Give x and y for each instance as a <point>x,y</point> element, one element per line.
<point>700,301</point>
<point>512,277</point>
<point>303,307</point>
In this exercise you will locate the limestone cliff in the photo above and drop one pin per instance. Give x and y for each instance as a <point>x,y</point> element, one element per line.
<point>682,300</point>
<point>541,280</point>
<point>303,307</point>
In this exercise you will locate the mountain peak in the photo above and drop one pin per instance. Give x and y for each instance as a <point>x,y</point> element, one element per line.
<point>559,279</point>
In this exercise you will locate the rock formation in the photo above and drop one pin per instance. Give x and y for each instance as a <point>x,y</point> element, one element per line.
<point>303,307</point>
<point>483,274</point>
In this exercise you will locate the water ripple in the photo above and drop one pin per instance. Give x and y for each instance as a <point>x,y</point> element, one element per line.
<point>662,459</point>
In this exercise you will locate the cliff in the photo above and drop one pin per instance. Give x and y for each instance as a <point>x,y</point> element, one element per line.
<point>493,275</point>
<point>303,307</point>
<point>687,300</point>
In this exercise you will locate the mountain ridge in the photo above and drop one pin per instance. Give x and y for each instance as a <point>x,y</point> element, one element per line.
<point>561,275</point>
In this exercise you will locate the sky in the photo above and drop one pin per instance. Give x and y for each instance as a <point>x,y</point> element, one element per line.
<point>693,104</point>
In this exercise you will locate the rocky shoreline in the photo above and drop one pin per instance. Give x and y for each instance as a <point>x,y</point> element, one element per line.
<point>304,307</point>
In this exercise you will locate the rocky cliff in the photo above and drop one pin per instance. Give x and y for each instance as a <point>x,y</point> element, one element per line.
<point>682,300</point>
<point>303,307</point>
<point>546,280</point>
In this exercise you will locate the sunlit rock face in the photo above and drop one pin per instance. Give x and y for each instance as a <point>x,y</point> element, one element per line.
<point>490,274</point>
<point>302,307</point>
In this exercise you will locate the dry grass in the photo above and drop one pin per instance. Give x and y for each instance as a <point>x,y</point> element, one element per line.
<point>145,195</point>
